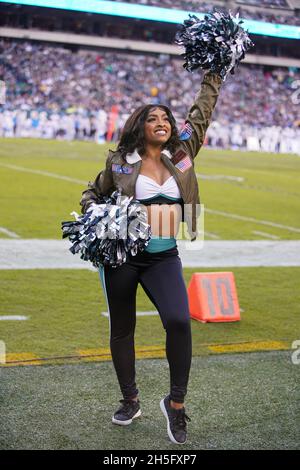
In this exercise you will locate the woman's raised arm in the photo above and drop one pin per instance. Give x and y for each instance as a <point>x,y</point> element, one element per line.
<point>199,115</point>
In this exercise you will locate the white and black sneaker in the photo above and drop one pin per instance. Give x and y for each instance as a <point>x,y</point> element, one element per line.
<point>176,420</point>
<point>129,410</point>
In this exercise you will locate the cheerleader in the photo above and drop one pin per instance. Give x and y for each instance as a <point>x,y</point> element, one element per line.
<point>154,163</point>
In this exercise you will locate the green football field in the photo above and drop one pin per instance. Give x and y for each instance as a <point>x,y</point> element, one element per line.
<point>41,184</point>
<point>42,181</point>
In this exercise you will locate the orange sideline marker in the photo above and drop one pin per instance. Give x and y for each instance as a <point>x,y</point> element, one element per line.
<point>213,297</point>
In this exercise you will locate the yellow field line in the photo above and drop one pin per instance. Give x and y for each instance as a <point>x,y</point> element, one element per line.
<point>249,346</point>
<point>18,359</point>
<point>142,352</point>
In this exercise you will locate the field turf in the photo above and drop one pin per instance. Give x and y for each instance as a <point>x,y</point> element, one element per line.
<point>235,401</point>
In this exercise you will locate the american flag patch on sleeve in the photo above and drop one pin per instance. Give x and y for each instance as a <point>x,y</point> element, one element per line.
<point>184,164</point>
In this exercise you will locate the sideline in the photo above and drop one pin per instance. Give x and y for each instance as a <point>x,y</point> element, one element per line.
<point>55,254</point>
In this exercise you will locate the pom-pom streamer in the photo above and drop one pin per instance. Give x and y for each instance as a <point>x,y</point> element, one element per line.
<point>109,230</point>
<point>216,43</point>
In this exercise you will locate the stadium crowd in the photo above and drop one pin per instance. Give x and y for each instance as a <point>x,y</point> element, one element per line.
<point>52,92</point>
<point>200,6</point>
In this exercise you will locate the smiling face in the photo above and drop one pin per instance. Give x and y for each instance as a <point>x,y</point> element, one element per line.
<point>157,128</point>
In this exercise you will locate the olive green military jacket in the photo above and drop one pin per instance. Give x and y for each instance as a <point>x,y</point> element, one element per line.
<point>118,174</point>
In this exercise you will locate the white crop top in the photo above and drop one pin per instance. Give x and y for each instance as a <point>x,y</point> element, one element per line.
<point>146,188</point>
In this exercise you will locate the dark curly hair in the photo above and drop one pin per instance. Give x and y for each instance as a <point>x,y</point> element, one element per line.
<point>132,136</point>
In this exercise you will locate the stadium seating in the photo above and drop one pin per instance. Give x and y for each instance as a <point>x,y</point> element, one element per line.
<point>53,92</point>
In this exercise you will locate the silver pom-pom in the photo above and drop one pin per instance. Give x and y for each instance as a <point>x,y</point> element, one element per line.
<point>109,230</point>
<point>216,43</point>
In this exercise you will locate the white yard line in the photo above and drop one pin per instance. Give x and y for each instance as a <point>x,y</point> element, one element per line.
<point>139,314</point>
<point>220,177</point>
<point>9,233</point>
<point>211,235</point>
<point>55,254</point>
<point>43,173</point>
<point>12,317</point>
<point>252,219</point>
<point>265,234</point>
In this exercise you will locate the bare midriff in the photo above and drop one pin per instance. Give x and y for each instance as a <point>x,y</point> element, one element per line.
<point>164,219</point>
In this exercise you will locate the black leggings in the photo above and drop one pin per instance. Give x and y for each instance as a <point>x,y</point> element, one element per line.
<point>160,275</point>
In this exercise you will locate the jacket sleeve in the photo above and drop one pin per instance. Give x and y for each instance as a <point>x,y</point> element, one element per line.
<point>200,113</point>
<point>101,186</point>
